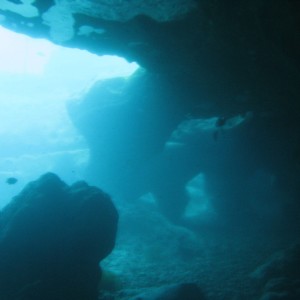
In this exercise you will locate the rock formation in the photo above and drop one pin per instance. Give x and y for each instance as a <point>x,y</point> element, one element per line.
<point>238,56</point>
<point>52,238</point>
<point>201,58</point>
<point>279,276</point>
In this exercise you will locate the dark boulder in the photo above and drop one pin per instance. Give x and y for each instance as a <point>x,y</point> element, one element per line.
<point>52,238</point>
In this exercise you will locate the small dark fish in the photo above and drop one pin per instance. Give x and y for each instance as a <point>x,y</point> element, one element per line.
<point>11,180</point>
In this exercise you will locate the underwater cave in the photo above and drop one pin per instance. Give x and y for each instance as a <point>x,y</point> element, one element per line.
<point>149,150</point>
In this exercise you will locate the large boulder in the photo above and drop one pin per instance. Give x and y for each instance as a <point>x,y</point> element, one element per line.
<point>126,122</point>
<point>52,238</point>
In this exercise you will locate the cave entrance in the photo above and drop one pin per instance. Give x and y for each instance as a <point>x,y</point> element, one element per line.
<point>37,78</point>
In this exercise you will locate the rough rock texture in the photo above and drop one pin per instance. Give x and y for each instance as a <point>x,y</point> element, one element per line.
<point>129,126</point>
<point>279,276</point>
<point>126,123</point>
<point>240,55</point>
<point>202,58</point>
<point>52,238</point>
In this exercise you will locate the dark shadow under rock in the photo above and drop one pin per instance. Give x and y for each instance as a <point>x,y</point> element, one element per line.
<point>52,238</point>
<point>186,291</point>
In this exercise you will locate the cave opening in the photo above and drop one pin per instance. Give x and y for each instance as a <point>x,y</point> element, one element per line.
<point>38,78</point>
<point>199,150</point>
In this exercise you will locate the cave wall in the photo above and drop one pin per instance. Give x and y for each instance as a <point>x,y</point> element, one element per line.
<point>201,59</point>
<point>241,55</point>
<point>251,169</point>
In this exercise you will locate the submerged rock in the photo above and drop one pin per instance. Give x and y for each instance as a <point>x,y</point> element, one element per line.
<point>187,291</point>
<point>52,238</point>
<point>279,276</point>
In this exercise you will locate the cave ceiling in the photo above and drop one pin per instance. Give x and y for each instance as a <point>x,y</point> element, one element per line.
<point>245,50</point>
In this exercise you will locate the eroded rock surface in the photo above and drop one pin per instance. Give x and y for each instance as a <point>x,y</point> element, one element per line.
<point>130,124</point>
<point>240,55</point>
<point>52,238</point>
<point>279,276</point>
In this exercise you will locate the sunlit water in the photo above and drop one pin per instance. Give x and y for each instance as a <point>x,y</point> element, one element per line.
<point>37,78</point>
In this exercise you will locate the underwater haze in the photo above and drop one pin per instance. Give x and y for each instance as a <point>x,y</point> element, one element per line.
<point>38,78</point>
<point>113,186</point>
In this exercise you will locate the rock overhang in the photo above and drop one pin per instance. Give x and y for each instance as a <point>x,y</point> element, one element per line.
<point>229,51</point>
<point>58,16</point>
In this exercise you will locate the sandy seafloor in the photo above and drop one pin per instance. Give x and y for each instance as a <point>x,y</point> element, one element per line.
<point>151,252</point>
